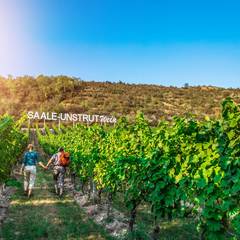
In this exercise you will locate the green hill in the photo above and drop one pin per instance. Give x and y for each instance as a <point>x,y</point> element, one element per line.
<point>67,94</point>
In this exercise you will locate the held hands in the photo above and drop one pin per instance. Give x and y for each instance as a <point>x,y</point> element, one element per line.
<point>43,166</point>
<point>47,166</point>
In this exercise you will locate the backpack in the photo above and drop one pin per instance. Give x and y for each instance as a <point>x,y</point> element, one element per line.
<point>64,159</point>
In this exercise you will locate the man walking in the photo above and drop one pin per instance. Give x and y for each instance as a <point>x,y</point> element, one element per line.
<point>60,161</point>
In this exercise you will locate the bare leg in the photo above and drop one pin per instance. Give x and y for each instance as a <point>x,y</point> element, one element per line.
<point>61,191</point>
<point>26,181</point>
<point>31,182</point>
<point>29,193</point>
<point>56,188</point>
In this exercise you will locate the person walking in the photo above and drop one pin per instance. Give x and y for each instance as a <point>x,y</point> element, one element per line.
<point>60,161</point>
<point>30,160</point>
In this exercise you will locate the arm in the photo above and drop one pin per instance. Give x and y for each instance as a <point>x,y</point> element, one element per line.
<point>50,161</point>
<point>39,162</point>
<point>42,165</point>
<point>23,163</point>
<point>22,168</point>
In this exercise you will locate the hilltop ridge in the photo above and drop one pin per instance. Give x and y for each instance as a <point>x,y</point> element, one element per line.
<point>68,94</point>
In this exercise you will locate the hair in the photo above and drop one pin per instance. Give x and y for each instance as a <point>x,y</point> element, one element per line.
<point>30,146</point>
<point>61,149</point>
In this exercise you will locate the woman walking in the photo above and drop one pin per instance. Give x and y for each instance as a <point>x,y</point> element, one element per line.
<point>30,161</point>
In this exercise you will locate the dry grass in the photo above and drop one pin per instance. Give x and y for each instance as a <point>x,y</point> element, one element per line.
<point>70,95</point>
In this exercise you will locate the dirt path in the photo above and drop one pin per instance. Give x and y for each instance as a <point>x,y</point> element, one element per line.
<point>45,216</point>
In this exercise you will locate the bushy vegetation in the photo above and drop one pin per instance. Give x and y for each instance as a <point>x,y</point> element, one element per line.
<point>66,94</point>
<point>12,143</point>
<point>178,168</point>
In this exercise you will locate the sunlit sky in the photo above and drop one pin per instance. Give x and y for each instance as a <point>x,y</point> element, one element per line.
<point>165,42</point>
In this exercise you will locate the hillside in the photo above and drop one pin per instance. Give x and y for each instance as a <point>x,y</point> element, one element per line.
<point>66,94</point>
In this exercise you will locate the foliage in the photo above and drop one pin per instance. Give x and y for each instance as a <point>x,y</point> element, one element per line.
<point>11,145</point>
<point>68,94</point>
<point>179,166</point>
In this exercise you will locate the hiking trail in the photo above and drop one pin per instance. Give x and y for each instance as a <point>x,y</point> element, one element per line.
<point>45,215</point>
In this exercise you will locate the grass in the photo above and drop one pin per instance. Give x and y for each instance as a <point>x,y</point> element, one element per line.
<point>66,94</point>
<point>45,216</point>
<point>177,229</point>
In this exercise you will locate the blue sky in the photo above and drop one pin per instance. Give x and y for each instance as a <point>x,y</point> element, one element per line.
<point>170,42</point>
